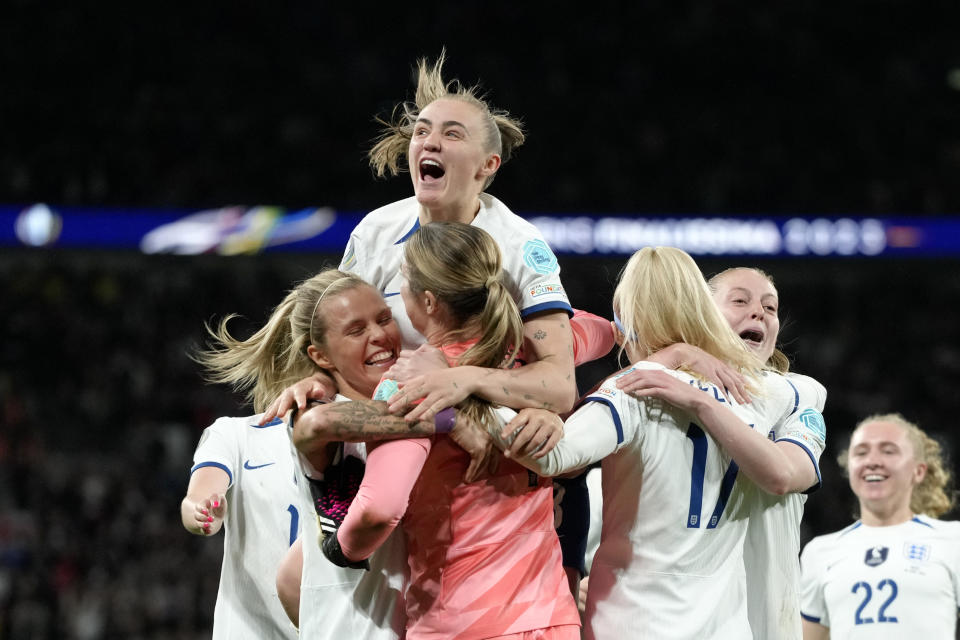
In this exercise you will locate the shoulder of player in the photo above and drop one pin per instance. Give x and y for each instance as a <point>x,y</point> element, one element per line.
<point>396,216</point>
<point>809,389</point>
<point>508,228</point>
<point>230,424</point>
<point>937,528</point>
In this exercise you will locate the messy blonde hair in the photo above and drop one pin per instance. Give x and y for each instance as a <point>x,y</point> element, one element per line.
<point>461,265</point>
<point>778,361</point>
<point>662,299</point>
<point>934,495</point>
<point>275,356</point>
<point>502,133</point>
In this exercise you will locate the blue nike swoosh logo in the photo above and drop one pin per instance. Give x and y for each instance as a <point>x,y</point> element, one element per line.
<point>251,467</point>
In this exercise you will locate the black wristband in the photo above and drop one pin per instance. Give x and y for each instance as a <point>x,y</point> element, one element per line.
<point>334,553</point>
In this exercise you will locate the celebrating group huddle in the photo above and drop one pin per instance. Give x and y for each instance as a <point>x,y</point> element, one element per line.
<point>415,405</point>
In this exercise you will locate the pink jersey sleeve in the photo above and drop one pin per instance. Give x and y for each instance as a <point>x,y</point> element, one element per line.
<point>592,336</point>
<point>392,471</point>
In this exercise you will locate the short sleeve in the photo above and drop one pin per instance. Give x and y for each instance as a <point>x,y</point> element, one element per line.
<point>627,413</point>
<point>349,261</point>
<point>538,278</point>
<point>812,603</point>
<point>219,447</point>
<point>806,429</point>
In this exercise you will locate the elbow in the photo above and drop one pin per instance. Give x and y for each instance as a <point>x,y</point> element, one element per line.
<point>377,515</point>
<point>308,433</point>
<point>779,483</point>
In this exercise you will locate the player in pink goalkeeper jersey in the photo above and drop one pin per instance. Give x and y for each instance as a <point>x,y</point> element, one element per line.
<point>484,556</point>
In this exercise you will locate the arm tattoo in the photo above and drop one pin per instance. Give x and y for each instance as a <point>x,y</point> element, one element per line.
<point>540,334</point>
<point>362,420</point>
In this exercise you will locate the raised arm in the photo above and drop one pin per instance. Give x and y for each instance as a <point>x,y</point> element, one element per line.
<point>545,382</point>
<point>776,467</point>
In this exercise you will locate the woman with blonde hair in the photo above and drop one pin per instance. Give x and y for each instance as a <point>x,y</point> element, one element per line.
<point>336,322</point>
<point>895,573</point>
<point>484,558</point>
<point>453,143</point>
<point>673,520</point>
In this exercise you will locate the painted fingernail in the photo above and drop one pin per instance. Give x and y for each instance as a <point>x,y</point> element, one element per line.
<point>209,519</point>
<point>205,512</point>
<point>217,503</point>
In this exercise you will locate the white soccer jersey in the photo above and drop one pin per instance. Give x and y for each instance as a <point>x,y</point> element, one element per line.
<point>669,564</point>
<point>885,583</point>
<point>261,522</point>
<point>771,554</point>
<point>338,603</point>
<point>531,272</point>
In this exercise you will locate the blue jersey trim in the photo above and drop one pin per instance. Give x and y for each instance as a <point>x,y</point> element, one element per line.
<point>812,459</point>
<point>726,487</point>
<point>855,525</point>
<point>556,304</point>
<point>406,236</point>
<point>699,439</point>
<point>272,423</point>
<point>200,465</point>
<point>810,618</point>
<point>796,399</point>
<point>919,521</point>
<point>613,411</point>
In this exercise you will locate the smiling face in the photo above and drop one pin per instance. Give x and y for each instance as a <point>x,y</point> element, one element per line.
<point>749,302</point>
<point>361,340</point>
<point>449,159</point>
<point>883,471</point>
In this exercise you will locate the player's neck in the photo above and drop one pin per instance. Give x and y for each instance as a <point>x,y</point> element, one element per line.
<point>878,516</point>
<point>463,211</point>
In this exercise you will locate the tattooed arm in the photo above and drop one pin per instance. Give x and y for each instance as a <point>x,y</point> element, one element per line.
<point>545,382</point>
<point>355,421</point>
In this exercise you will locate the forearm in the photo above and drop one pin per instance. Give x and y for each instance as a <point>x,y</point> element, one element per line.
<point>765,462</point>
<point>539,385</point>
<point>589,436</point>
<point>392,471</point>
<point>356,421</point>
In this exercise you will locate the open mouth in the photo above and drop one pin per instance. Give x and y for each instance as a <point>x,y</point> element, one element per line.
<point>874,477</point>
<point>431,170</point>
<point>752,335</point>
<point>382,358</point>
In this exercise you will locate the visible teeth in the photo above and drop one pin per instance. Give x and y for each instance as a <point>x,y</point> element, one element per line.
<point>431,162</point>
<point>873,477</point>
<point>380,357</point>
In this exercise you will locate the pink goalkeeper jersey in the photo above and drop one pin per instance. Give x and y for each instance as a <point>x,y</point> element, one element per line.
<point>484,557</point>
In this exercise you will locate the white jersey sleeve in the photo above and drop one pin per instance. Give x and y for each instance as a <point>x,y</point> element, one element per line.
<point>812,604</point>
<point>261,522</point>
<point>219,447</point>
<point>804,425</point>
<point>529,265</point>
